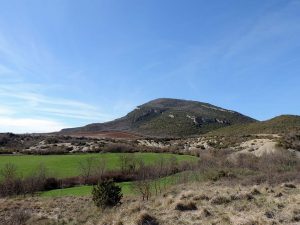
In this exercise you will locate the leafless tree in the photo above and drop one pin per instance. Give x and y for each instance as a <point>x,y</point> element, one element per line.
<point>143,184</point>
<point>127,163</point>
<point>158,171</point>
<point>8,172</point>
<point>100,167</point>
<point>86,168</point>
<point>173,164</point>
<point>36,181</point>
<point>9,175</point>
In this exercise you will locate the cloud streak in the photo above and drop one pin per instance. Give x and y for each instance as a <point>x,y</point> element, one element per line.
<point>28,105</point>
<point>17,102</point>
<point>29,125</point>
<point>56,106</point>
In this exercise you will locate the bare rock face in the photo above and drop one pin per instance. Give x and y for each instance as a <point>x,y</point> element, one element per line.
<point>201,121</point>
<point>146,114</point>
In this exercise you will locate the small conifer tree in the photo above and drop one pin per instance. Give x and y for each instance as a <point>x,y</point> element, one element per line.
<point>106,194</point>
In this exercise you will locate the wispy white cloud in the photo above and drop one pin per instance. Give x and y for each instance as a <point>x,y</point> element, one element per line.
<point>266,38</point>
<point>28,94</point>
<point>56,106</point>
<point>25,55</point>
<point>16,102</point>
<point>275,26</point>
<point>78,113</point>
<point>28,125</point>
<point>4,110</point>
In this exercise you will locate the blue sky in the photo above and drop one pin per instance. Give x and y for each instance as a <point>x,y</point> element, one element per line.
<point>70,63</point>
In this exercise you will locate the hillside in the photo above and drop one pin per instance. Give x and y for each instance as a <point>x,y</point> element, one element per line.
<point>169,117</point>
<point>278,125</point>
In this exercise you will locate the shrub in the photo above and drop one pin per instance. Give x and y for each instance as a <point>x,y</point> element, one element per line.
<point>219,200</point>
<point>206,213</point>
<point>281,161</point>
<point>51,183</point>
<point>19,217</point>
<point>289,185</point>
<point>106,194</point>
<point>146,219</point>
<point>118,148</point>
<point>185,206</point>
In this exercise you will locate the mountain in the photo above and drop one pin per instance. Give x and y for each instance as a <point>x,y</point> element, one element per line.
<point>277,125</point>
<point>167,117</point>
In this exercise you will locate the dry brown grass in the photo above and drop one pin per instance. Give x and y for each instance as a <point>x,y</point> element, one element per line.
<point>212,203</point>
<point>146,219</point>
<point>185,206</point>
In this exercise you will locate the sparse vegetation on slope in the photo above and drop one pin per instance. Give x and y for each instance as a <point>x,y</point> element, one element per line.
<point>169,117</point>
<point>278,125</point>
<point>260,204</point>
<point>290,141</point>
<point>194,193</point>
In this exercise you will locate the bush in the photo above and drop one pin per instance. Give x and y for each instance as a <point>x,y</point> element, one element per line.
<point>11,184</point>
<point>51,183</point>
<point>218,200</point>
<point>118,148</point>
<point>186,206</point>
<point>146,219</point>
<point>106,194</point>
<point>18,217</point>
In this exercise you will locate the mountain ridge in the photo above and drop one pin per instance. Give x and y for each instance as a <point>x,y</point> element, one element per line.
<point>285,123</point>
<point>169,117</point>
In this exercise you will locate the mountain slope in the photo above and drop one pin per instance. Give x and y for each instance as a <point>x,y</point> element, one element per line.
<point>277,125</point>
<point>169,117</point>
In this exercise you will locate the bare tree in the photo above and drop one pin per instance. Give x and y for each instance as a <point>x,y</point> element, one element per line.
<point>173,165</point>
<point>86,168</point>
<point>143,184</point>
<point>36,181</point>
<point>9,175</point>
<point>100,167</point>
<point>8,172</point>
<point>10,184</point>
<point>127,163</point>
<point>158,171</point>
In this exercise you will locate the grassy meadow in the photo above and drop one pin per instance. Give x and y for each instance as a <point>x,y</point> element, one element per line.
<point>127,187</point>
<point>63,166</point>
<point>84,190</point>
<point>165,182</point>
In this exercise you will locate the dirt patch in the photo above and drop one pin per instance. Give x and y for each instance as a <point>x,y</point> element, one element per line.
<point>258,147</point>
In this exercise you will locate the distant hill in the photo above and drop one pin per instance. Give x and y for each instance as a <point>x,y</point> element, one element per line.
<point>278,125</point>
<point>166,117</point>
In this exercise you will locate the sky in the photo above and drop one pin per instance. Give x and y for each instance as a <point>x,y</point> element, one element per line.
<point>67,63</point>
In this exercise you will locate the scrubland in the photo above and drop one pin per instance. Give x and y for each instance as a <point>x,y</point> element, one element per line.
<point>218,189</point>
<point>216,179</point>
<point>193,203</point>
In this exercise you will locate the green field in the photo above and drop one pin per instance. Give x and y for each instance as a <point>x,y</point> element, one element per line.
<point>62,166</point>
<point>186,176</point>
<point>83,191</point>
<point>127,188</point>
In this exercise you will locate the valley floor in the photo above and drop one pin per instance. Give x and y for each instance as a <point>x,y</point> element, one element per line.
<point>185,204</point>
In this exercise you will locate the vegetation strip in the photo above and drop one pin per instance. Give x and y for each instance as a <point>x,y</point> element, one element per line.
<point>63,166</point>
